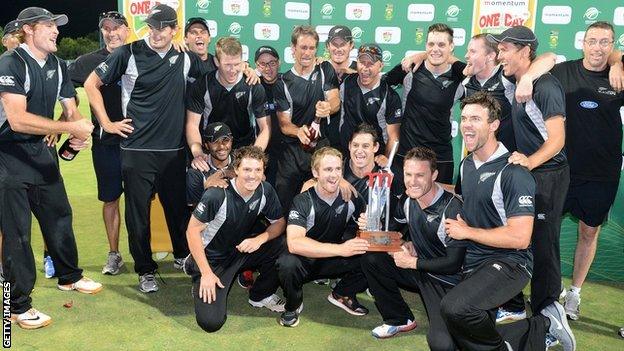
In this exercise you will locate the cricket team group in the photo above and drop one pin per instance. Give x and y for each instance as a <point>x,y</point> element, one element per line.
<point>264,175</point>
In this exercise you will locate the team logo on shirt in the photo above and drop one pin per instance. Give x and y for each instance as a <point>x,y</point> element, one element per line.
<point>102,67</point>
<point>372,100</point>
<point>484,176</point>
<point>590,105</point>
<point>50,74</point>
<point>339,209</point>
<point>239,94</point>
<point>253,205</point>
<point>200,208</point>
<point>493,87</point>
<point>292,215</point>
<point>172,60</point>
<point>607,91</point>
<point>7,81</point>
<point>397,113</point>
<point>314,75</point>
<point>432,217</point>
<point>446,83</point>
<point>525,201</point>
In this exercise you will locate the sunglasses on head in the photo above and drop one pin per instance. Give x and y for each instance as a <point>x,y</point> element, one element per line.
<point>369,49</point>
<point>112,15</point>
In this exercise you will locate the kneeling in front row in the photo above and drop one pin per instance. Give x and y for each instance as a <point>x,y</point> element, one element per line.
<point>221,244</point>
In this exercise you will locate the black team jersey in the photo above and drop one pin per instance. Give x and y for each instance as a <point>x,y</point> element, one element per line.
<point>493,192</point>
<point>529,119</point>
<point>378,107</point>
<point>271,110</point>
<point>593,122</point>
<point>195,181</point>
<point>502,88</point>
<point>427,104</point>
<point>324,222</point>
<point>332,128</point>
<point>208,65</point>
<point>152,93</point>
<point>298,95</point>
<point>79,71</point>
<point>237,106</point>
<point>42,82</point>
<point>230,217</point>
<point>360,184</point>
<point>426,227</point>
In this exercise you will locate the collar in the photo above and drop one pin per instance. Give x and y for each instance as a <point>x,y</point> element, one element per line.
<point>500,151</point>
<point>40,62</point>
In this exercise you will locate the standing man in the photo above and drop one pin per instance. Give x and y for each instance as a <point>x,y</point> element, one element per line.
<point>366,98</point>
<point>268,64</point>
<point>105,149</point>
<point>197,39</point>
<point>33,79</point>
<point>593,146</point>
<point>306,92</point>
<point>154,77</point>
<point>10,40</point>
<point>224,96</point>
<point>497,220</point>
<point>540,136</point>
<point>221,241</point>
<point>316,249</point>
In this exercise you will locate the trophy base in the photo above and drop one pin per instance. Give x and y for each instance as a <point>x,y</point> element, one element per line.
<point>381,241</point>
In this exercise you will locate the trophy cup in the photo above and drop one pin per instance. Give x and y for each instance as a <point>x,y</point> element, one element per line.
<point>379,202</point>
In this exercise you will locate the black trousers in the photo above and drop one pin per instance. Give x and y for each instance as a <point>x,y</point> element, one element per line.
<point>144,174</point>
<point>30,182</point>
<point>550,195</point>
<point>469,310</point>
<point>211,316</point>
<point>294,271</point>
<point>385,280</point>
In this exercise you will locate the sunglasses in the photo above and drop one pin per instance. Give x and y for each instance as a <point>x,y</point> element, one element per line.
<point>113,15</point>
<point>369,50</point>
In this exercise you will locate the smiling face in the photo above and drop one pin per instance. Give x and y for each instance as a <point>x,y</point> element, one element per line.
<point>475,128</point>
<point>197,39</point>
<point>230,67</point>
<point>43,35</point>
<point>328,174</point>
<point>438,48</point>
<point>368,70</point>
<point>268,66</point>
<point>512,57</point>
<point>114,34</point>
<point>362,149</point>
<point>304,52</point>
<point>339,50</point>
<point>477,56</point>
<point>160,39</point>
<point>220,149</point>
<point>597,46</point>
<point>418,177</point>
<point>249,174</point>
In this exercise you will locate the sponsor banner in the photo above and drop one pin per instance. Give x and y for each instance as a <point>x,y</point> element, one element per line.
<point>618,16</point>
<point>494,16</point>
<point>297,10</point>
<point>288,56</point>
<point>578,40</point>
<point>136,12</point>
<point>358,11</point>
<point>420,12</point>
<point>266,31</point>
<point>388,35</point>
<point>245,52</point>
<point>323,32</point>
<point>236,7</point>
<point>459,36</point>
<point>213,28</point>
<point>556,14</point>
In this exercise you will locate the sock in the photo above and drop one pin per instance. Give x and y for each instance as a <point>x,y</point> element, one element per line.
<point>575,290</point>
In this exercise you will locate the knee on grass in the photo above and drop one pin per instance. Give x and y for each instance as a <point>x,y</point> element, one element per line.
<point>210,325</point>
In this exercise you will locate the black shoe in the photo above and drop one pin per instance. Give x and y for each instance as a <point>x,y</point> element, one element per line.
<point>347,303</point>
<point>289,319</point>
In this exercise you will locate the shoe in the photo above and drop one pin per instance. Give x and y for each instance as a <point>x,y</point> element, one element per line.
<point>551,341</point>
<point>290,318</point>
<point>273,303</point>
<point>502,315</point>
<point>31,319</point>
<point>113,264</point>
<point>322,281</point>
<point>572,305</point>
<point>385,331</point>
<point>347,303</point>
<point>178,263</point>
<point>147,283</point>
<point>84,285</point>
<point>245,279</point>
<point>48,267</point>
<point>559,327</point>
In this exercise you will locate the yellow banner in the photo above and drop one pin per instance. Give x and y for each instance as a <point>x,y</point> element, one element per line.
<point>494,16</point>
<point>136,12</point>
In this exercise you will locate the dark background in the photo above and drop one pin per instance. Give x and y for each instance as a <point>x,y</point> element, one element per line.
<point>83,14</point>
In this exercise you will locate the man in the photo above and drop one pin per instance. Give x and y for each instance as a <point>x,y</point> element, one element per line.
<point>540,135</point>
<point>316,248</point>
<point>224,96</point>
<point>197,39</point>
<point>33,79</point>
<point>154,77</point>
<point>10,39</point>
<point>497,220</point>
<point>221,243</point>
<point>593,146</point>
<point>268,64</point>
<point>430,260</point>
<point>306,92</point>
<point>366,98</point>
<point>105,150</point>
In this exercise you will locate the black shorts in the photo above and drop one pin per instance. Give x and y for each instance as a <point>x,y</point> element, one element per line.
<point>590,201</point>
<point>107,165</point>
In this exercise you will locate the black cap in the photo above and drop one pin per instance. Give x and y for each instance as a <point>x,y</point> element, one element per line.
<point>113,16</point>
<point>340,32</point>
<point>265,49</point>
<point>11,27</point>
<point>520,35</point>
<point>161,16</point>
<point>191,21</point>
<point>35,14</point>
<point>371,50</point>
<point>215,131</point>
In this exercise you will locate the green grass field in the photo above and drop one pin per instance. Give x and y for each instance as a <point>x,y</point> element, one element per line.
<point>122,318</point>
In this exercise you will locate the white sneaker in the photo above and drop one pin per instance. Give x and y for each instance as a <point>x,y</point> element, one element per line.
<point>84,285</point>
<point>385,331</point>
<point>572,304</point>
<point>273,303</point>
<point>31,319</point>
<point>503,315</point>
<point>559,327</point>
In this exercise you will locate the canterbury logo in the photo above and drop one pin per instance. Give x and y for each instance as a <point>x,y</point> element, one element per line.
<point>103,67</point>
<point>200,208</point>
<point>525,201</point>
<point>293,215</point>
<point>8,81</point>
